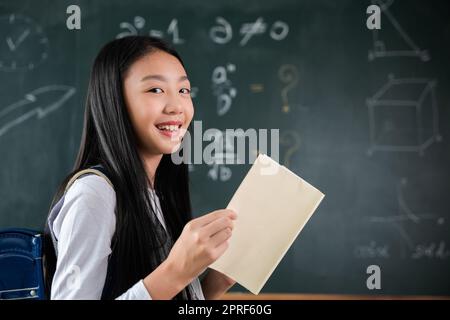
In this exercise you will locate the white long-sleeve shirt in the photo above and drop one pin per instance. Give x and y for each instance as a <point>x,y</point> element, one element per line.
<point>84,228</point>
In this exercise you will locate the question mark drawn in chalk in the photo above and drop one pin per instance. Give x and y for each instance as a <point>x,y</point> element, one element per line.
<point>288,74</point>
<point>293,141</point>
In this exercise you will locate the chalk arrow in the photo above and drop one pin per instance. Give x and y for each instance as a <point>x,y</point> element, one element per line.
<point>36,103</point>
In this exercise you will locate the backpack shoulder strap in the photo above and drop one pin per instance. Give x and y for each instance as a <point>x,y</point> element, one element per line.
<point>84,172</point>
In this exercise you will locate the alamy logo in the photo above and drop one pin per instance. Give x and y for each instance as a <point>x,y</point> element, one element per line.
<point>74,20</point>
<point>374,280</point>
<point>73,281</point>
<point>374,19</point>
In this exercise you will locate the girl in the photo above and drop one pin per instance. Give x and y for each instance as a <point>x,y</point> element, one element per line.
<point>127,234</point>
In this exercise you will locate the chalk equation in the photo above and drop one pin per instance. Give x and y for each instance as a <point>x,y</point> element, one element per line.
<point>220,33</point>
<point>223,88</point>
<point>401,221</point>
<point>137,28</point>
<point>372,250</point>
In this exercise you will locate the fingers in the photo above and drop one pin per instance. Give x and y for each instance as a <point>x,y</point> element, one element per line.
<point>216,226</point>
<point>210,217</point>
<point>220,237</point>
<point>220,249</point>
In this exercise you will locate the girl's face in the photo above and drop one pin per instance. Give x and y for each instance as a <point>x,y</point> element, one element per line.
<point>158,99</point>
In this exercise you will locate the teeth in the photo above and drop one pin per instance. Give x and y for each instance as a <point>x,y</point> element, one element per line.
<point>170,128</point>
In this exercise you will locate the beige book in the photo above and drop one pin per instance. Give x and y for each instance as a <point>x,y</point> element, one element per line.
<point>273,205</point>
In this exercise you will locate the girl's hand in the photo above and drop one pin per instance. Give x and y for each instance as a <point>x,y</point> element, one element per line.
<point>202,241</point>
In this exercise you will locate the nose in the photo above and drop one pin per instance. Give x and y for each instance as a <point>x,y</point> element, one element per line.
<point>173,106</point>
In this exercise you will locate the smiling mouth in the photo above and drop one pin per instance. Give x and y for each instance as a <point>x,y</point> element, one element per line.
<point>171,131</point>
<point>169,128</point>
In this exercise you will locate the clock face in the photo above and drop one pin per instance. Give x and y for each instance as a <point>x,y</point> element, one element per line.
<point>23,44</point>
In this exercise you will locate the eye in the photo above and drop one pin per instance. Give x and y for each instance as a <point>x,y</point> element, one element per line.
<point>185,91</point>
<point>155,90</point>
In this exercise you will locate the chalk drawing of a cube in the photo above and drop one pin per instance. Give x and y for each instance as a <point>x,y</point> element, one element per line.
<point>403,116</point>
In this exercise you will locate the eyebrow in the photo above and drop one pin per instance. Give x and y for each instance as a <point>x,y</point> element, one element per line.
<point>162,78</point>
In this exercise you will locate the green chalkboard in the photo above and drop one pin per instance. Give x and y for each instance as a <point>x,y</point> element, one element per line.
<point>362,114</point>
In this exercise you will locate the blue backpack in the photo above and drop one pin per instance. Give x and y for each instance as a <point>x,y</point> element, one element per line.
<point>21,271</point>
<point>21,268</point>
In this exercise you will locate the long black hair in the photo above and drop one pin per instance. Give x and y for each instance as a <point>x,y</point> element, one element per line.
<point>109,139</point>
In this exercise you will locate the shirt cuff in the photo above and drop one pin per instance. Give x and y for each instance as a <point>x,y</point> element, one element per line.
<point>136,292</point>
